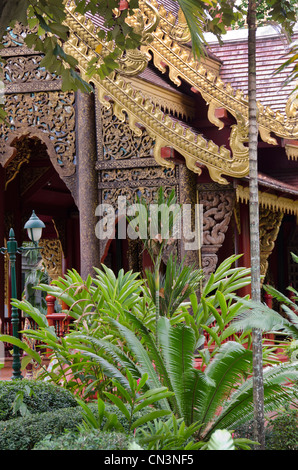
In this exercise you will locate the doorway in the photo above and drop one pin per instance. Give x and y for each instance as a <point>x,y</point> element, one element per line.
<point>32,183</point>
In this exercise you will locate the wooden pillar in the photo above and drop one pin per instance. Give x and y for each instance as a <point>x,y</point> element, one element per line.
<point>187,195</point>
<point>87,182</point>
<point>2,273</point>
<point>244,243</point>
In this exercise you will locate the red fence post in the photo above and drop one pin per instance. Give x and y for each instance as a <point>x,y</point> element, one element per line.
<point>50,300</point>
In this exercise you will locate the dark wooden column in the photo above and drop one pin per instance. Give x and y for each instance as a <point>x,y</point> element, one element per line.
<point>2,283</point>
<point>87,182</point>
<point>187,195</point>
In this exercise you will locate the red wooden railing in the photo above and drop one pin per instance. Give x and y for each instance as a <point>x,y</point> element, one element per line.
<point>60,321</point>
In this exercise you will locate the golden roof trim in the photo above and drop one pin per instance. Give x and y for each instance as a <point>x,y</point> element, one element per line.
<point>159,125</point>
<point>172,102</point>
<point>269,201</point>
<point>169,52</point>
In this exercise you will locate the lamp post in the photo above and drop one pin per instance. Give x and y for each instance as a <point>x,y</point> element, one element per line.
<point>34,228</point>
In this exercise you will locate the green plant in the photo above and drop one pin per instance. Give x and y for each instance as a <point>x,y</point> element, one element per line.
<point>258,315</point>
<point>135,402</point>
<point>23,433</point>
<point>262,317</point>
<point>28,396</point>
<point>110,339</point>
<point>156,226</point>
<point>175,286</point>
<point>89,303</point>
<point>215,309</point>
<point>19,405</point>
<point>282,430</point>
<point>171,434</point>
<point>220,397</point>
<point>95,440</point>
<point>138,401</point>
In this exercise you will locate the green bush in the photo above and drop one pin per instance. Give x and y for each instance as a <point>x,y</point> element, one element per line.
<point>25,433</point>
<point>44,397</point>
<point>282,431</point>
<point>95,440</point>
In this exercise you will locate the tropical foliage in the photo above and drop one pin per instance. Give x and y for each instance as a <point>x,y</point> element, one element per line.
<point>168,343</point>
<point>112,344</point>
<point>262,317</point>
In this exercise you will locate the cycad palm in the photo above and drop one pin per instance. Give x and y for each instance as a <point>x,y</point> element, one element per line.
<point>198,396</point>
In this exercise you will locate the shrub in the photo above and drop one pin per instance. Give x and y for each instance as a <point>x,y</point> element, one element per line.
<point>44,397</point>
<point>24,433</point>
<point>283,431</point>
<point>95,440</point>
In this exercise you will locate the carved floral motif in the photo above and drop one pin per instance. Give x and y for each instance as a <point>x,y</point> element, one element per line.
<point>50,116</point>
<point>218,207</point>
<point>51,252</point>
<point>270,222</point>
<point>24,68</point>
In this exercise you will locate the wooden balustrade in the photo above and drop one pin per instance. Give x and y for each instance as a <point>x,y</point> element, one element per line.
<point>59,321</point>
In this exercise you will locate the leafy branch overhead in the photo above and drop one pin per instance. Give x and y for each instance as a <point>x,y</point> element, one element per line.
<point>48,32</point>
<point>46,20</point>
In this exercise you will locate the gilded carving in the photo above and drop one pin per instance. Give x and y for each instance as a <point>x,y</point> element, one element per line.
<point>217,210</point>
<point>291,149</point>
<point>270,222</point>
<point>269,201</point>
<point>22,69</point>
<point>171,102</point>
<point>111,195</point>
<point>13,167</point>
<point>167,51</point>
<point>159,125</point>
<point>127,169</point>
<point>136,174</point>
<point>133,62</point>
<point>15,37</point>
<point>51,252</point>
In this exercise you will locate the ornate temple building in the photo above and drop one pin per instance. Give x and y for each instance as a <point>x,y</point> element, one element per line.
<point>162,119</point>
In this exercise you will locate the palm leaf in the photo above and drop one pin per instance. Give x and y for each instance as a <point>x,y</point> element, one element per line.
<point>260,316</point>
<point>141,356</point>
<point>240,407</point>
<point>20,344</point>
<point>33,312</point>
<point>151,347</point>
<point>226,369</point>
<point>194,12</point>
<point>177,345</point>
<point>112,353</point>
<point>179,353</point>
<point>195,386</point>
